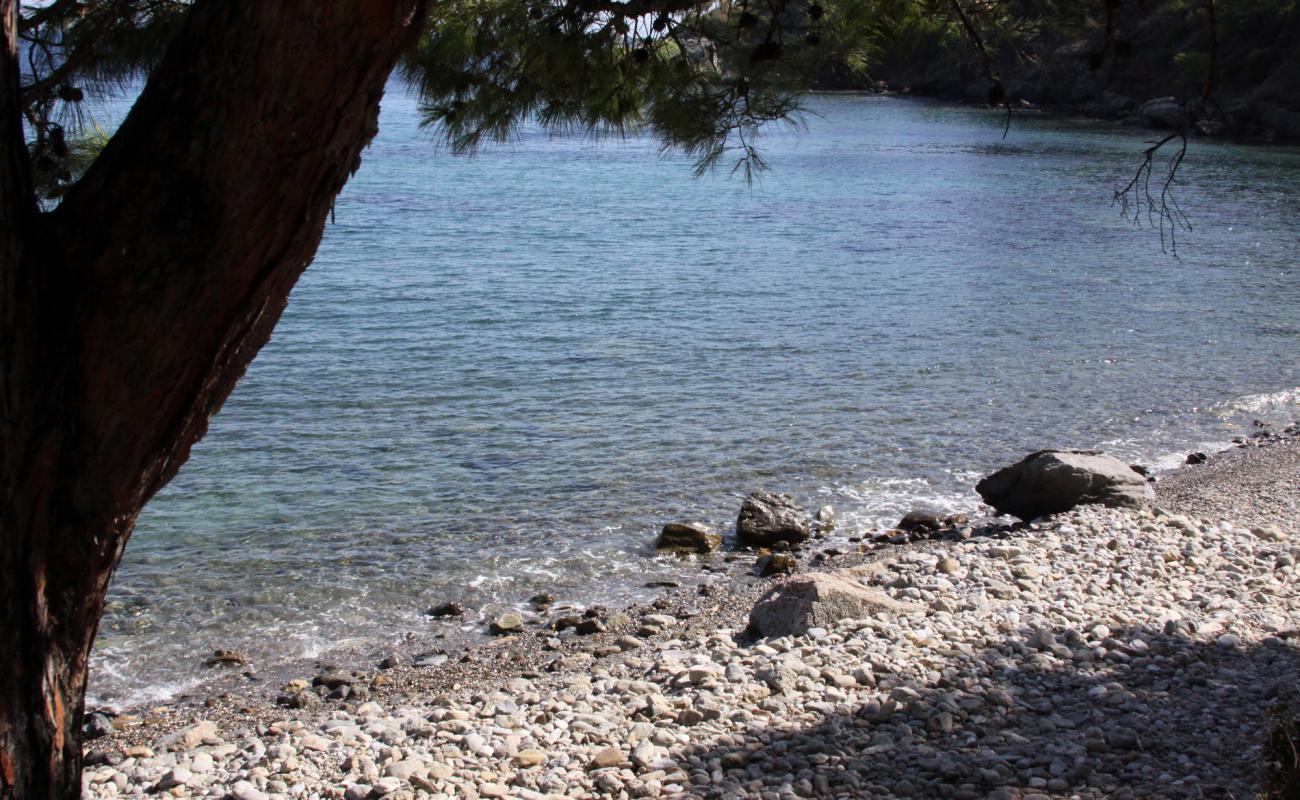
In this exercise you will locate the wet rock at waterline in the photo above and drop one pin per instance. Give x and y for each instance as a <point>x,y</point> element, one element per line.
<point>1052,481</point>
<point>508,622</point>
<point>688,537</point>
<point>1197,458</point>
<point>226,657</point>
<point>332,678</point>
<point>449,609</point>
<point>825,518</point>
<point>775,564</point>
<point>925,522</point>
<point>768,518</point>
<point>818,600</point>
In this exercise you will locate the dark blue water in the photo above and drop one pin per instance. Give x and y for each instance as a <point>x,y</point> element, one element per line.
<point>503,374</point>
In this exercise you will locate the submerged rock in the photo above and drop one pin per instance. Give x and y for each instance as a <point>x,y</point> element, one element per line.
<point>818,600</point>
<point>688,537</point>
<point>768,518</point>
<point>1052,481</point>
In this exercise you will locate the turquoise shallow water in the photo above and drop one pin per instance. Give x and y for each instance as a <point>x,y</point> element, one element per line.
<point>502,374</point>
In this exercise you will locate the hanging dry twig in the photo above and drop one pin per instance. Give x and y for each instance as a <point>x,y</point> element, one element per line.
<point>1160,209</point>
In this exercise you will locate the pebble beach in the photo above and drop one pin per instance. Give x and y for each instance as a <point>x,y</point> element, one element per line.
<point>1094,653</point>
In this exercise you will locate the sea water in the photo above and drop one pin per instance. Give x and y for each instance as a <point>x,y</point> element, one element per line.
<point>503,374</point>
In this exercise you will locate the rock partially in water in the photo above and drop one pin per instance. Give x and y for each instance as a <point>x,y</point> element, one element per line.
<point>775,564</point>
<point>432,658</point>
<point>1197,458</point>
<point>565,622</point>
<point>926,522</point>
<point>230,657</point>
<point>688,537</point>
<point>333,677</point>
<point>768,518</point>
<point>818,600</point>
<point>448,609</point>
<point>825,518</point>
<point>1052,481</point>
<point>509,622</point>
<point>920,521</point>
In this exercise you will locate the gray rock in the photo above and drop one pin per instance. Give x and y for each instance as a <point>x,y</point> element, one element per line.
<point>817,600</point>
<point>688,537</point>
<point>429,659</point>
<point>97,725</point>
<point>1116,104</point>
<point>189,737</point>
<point>332,678</point>
<point>303,699</point>
<point>1164,113</point>
<point>243,790</point>
<point>405,770</point>
<point>178,776</point>
<point>1052,481</point>
<point>767,518</point>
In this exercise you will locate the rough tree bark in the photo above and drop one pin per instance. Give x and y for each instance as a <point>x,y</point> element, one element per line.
<point>129,312</point>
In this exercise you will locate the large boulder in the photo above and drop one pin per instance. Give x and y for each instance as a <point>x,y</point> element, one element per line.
<point>818,600</point>
<point>688,537</point>
<point>1052,481</point>
<point>768,518</point>
<point>1164,113</point>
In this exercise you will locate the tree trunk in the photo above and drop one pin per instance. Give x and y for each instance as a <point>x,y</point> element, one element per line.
<point>128,313</point>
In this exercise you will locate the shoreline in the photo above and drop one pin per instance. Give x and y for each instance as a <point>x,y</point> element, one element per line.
<point>728,570</point>
<point>1075,114</point>
<point>1230,481</point>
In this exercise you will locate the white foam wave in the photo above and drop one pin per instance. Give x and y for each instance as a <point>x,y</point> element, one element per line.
<point>1286,400</point>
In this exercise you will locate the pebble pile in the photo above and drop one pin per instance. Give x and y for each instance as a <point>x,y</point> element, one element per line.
<point>1100,653</point>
